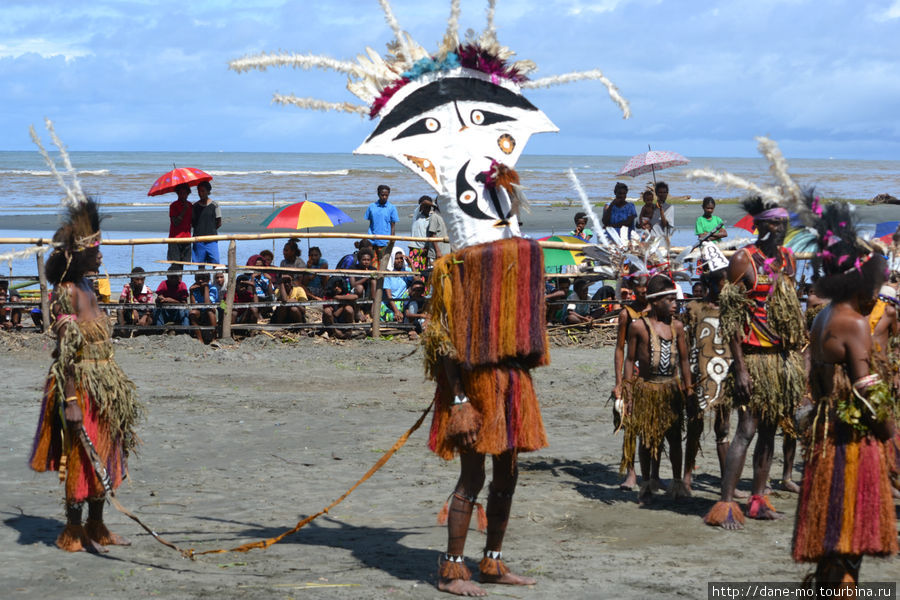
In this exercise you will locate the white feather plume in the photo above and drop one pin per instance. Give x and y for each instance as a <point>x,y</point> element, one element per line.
<point>393,24</point>
<point>315,104</point>
<point>596,74</point>
<point>731,180</point>
<point>8,257</point>
<point>264,60</point>
<point>582,195</point>
<point>490,30</point>
<point>779,168</point>
<point>451,36</point>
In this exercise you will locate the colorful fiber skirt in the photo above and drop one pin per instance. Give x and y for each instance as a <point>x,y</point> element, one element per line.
<point>56,449</point>
<point>656,405</point>
<point>487,316</point>
<point>510,416</point>
<point>845,505</point>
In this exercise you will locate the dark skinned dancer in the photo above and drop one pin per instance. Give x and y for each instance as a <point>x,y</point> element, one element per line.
<point>762,319</point>
<point>846,448</point>
<point>635,309</point>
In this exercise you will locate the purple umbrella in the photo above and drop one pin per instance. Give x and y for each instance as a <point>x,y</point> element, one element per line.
<point>652,161</point>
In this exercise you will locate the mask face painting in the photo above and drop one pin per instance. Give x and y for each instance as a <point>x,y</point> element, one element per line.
<point>450,128</point>
<point>456,117</point>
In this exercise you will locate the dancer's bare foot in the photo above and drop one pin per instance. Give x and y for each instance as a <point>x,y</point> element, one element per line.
<point>657,485</point>
<point>767,514</point>
<point>789,486</point>
<point>507,579</point>
<point>645,496</point>
<point>731,524</point>
<point>75,539</point>
<point>460,587</point>
<point>740,494</point>
<point>630,482</point>
<point>97,531</point>
<point>687,479</point>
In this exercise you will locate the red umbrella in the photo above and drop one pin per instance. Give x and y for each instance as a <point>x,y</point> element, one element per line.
<point>168,182</point>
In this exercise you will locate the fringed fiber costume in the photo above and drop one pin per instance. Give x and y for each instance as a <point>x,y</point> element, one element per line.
<point>656,403</point>
<point>105,396</point>
<point>770,322</point>
<point>487,314</point>
<point>629,439</point>
<point>710,354</point>
<point>845,505</point>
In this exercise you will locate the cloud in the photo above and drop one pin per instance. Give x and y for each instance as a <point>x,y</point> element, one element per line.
<point>43,47</point>
<point>597,6</point>
<point>890,13</point>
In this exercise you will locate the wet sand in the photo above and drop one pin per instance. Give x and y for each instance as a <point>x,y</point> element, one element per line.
<point>241,442</point>
<point>542,219</point>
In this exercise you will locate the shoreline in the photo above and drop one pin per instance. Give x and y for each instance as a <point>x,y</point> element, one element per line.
<point>541,219</point>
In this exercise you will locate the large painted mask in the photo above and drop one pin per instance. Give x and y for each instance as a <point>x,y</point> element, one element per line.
<point>457,118</point>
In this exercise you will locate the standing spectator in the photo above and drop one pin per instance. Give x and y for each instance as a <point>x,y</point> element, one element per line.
<point>180,214</point>
<point>9,317</point>
<point>136,292</point>
<point>437,229</point>
<point>383,218</point>
<point>708,222</point>
<point>619,212</point>
<point>418,251</point>
<point>290,290</point>
<point>170,292</point>
<point>663,220</point>
<point>206,220</point>
<point>203,293</point>
<point>315,284</point>
<point>581,230</point>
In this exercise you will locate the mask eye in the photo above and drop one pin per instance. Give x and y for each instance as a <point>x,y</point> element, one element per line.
<point>468,196</point>
<point>422,126</point>
<point>486,117</point>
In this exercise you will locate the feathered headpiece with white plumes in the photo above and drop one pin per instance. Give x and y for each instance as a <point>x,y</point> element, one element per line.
<point>375,79</point>
<point>79,212</point>
<point>784,194</point>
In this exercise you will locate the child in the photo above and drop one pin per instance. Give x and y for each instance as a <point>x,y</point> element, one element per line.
<point>290,290</point>
<point>655,394</point>
<point>203,293</point>
<point>649,197</point>
<point>708,223</point>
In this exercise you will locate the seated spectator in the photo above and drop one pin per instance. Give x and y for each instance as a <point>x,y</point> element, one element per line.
<point>363,286</point>
<point>607,294</point>
<point>9,317</point>
<point>220,282</point>
<point>578,310</point>
<point>203,293</point>
<point>136,292</point>
<point>415,311</point>
<point>315,284</point>
<point>581,230</point>
<point>344,308</point>
<point>290,290</point>
<point>395,287</point>
<point>262,284</point>
<point>292,255</point>
<point>171,292</point>
<point>555,296</point>
<point>245,292</point>
<point>268,260</point>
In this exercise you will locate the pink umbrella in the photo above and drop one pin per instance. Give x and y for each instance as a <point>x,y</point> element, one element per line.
<point>652,161</point>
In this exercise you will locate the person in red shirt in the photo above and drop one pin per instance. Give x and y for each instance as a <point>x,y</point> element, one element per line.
<point>172,291</point>
<point>180,213</point>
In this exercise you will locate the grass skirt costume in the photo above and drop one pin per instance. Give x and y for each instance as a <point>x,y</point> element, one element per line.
<point>657,402</point>
<point>106,398</point>
<point>845,505</point>
<point>487,315</point>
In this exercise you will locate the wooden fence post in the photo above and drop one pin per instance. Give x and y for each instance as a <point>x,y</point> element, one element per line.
<point>232,285</point>
<point>379,292</point>
<point>45,296</point>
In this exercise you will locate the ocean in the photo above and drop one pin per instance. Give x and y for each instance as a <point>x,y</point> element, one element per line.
<point>120,181</point>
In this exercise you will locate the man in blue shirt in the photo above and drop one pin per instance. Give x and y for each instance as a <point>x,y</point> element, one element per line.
<point>383,217</point>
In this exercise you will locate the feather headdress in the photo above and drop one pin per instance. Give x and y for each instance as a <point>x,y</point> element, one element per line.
<point>784,194</point>
<point>374,79</point>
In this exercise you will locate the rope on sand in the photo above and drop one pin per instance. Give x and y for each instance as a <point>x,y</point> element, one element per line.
<point>274,540</point>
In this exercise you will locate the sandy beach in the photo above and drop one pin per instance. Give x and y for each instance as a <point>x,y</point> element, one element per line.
<point>242,441</point>
<point>243,219</point>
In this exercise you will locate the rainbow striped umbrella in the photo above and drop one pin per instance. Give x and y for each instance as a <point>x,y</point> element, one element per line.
<point>306,214</point>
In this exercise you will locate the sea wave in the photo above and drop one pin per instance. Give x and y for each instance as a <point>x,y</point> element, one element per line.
<point>48,173</point>
<point>279,173</point>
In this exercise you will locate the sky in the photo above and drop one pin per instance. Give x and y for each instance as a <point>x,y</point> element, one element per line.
<point>821,77</point>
